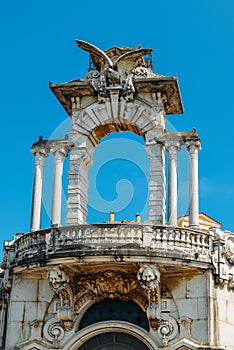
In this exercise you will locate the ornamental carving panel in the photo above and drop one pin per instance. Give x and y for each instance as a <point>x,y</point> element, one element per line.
<point>229,249</point>
<point>109,284</point>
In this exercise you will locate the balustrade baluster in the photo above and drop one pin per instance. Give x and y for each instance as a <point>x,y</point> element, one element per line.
<point>132,234</point>
<point>182,238</point>
<point>199,240</point>
<point>177,237</point>
<point>203,241</point>
<point>188,239</point>
<point>112,232</point>
<point>126,232</point>
<point>139,234</point>
<point>164,237</point>
<point>170,234</point>
<point>158,237</point>
<point>105,233</point>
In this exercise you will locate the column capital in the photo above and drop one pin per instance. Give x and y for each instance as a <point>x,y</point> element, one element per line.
<point>60,149</point>
<point>172,146</point>
<point>193,146</point>
<point>41,150</point>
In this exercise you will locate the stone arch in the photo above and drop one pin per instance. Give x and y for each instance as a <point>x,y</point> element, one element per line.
<point>111,326</point>
<point>98,120</point>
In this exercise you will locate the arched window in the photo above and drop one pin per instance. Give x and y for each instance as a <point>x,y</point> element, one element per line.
<point>115,309</point>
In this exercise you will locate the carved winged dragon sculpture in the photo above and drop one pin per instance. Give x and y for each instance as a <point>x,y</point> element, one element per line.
<point>116,66</point>
<point>102,60</point>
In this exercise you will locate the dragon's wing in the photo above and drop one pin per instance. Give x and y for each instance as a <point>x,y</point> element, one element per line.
<point>95,52</point>
<point>132,55</point>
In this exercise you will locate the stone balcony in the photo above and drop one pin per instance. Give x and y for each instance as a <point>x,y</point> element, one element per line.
<point>120,240</point>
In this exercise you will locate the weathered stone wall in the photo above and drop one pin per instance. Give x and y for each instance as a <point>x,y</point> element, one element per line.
<point>224,307</point>
<point>28,307</point>
<point>190,295</point>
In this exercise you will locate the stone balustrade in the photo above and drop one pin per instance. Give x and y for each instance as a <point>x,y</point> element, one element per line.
<point>163,239</point>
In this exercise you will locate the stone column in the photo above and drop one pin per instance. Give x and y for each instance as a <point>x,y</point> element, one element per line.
<point>157,193</point>
<point>39,153</point>
<point>193,147</point>
<point>59,153</point>
<point>173,147</point>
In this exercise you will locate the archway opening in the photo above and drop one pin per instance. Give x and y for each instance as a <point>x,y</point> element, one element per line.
<point>115,309</point>
<point>119,178</point>
<point>114,341</point>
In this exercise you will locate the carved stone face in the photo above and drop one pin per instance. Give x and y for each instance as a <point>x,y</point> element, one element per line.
<point>57,277</point>
<point>149,277</point>
<point>148,274</point>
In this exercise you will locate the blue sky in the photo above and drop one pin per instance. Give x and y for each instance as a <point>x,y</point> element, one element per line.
<point>193,39</point>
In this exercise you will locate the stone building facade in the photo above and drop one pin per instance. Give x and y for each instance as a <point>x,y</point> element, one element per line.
<point>112,286</point>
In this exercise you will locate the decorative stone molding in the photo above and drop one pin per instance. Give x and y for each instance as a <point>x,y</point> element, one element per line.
<point>35,329</point>
<point>83,335</point>
<point>167,330</point>
<point>53,331</point>
<point>149,278</point>
<point>93,287</point>
<point>229,249</point>
<point>223,258</point>
<point>108,284</point>
<point>185,327</point>
<point>60,284</point>
<point>6,272</point>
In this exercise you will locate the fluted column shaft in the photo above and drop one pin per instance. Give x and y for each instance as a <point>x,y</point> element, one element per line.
<point>193,147</point>
<point>59,154</point>
<point>39,153</point>
<point>173,148</point>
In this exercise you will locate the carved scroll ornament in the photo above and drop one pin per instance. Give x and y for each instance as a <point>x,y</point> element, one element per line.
<point>60,284</point>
